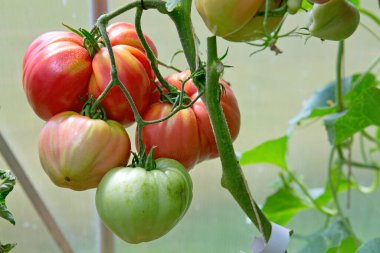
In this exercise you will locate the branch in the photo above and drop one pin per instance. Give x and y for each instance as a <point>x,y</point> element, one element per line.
<point>232,179</point>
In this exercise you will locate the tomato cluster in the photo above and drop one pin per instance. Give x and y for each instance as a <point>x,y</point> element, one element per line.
<point>59,73</point>
<point>82,147</point>
<point>188,136</point>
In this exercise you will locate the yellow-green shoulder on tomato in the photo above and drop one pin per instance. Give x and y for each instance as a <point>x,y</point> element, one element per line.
<point>224,17</point>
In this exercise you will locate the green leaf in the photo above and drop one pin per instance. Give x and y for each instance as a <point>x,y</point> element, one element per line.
<point>5,248</point>
<point>272,152</point>
<point>359,83</point>
<point>322,102</point>
<point>317,244</point>
<point>334,239</point>
<point>364,111</point>
<point>172,4</point>
<point>281,206</point>
<point>348,245</point>
<point>7,182</point>
<point>371,246</point>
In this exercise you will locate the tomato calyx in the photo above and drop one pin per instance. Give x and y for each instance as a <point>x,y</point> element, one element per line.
<point>143,160</point>
<point>99,113</point>
<point>92,41</point>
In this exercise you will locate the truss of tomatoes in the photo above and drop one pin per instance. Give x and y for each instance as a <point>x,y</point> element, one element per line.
<point>79,152</point>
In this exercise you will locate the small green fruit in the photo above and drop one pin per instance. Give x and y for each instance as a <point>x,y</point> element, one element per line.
<point>334,20</point>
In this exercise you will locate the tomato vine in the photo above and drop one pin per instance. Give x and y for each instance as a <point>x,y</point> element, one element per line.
<point>343,107</point>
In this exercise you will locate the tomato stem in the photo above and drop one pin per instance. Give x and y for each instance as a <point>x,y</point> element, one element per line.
<point>232,179</point>
<point>181,16</point>
<point>339,83</point>
<point>153,60</point>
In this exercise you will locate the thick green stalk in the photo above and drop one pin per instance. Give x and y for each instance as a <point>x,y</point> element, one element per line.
<point>181,15</point>
<point>233,179</point>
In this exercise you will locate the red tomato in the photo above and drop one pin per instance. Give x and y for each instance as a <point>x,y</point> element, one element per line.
<point>177,138</point>
<point>56,71</point>
<point>123,33</point>
<point>229,105</point>
<point>76,151</point>
<point>131,73</point>
<point>187,136</point>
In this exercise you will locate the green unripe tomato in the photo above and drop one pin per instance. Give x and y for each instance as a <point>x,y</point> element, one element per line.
<point>223,17</point>
<point>140,205</point>
<point>254,29</point>
<point>333,20</point>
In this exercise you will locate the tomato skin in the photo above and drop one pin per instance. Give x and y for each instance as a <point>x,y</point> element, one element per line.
<point>76,151</point>
<point>231,112</point>
<point>140,205</point>
<point>177,138</point>
<point>229,105</point>
<point>224,17</point>
<point>56,71</point>
<point>123,33</point>
<point>334,20</point>
<point>131,73</point>
<point>188,136</point>
<point>254,28</point>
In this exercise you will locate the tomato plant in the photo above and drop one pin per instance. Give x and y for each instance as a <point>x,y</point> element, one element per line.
<point>76,151</point>
<point>228,103</point>
<point>56,71</point>
<point>143,204</point>
<point>59,72</point>
<point>193,115</point>
<point>187,136</point>
<point>132,74</point>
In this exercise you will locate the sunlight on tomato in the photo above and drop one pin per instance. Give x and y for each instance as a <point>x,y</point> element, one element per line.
<point>76,151</point>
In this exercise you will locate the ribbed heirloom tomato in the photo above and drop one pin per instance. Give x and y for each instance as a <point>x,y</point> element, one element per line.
<point>141,205</point>
<point>237,20</point>
<point>188,136</point>
<point>59,73</point>
<point>76,151</point>
<point>134,72</point>
<point>56,71</point>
